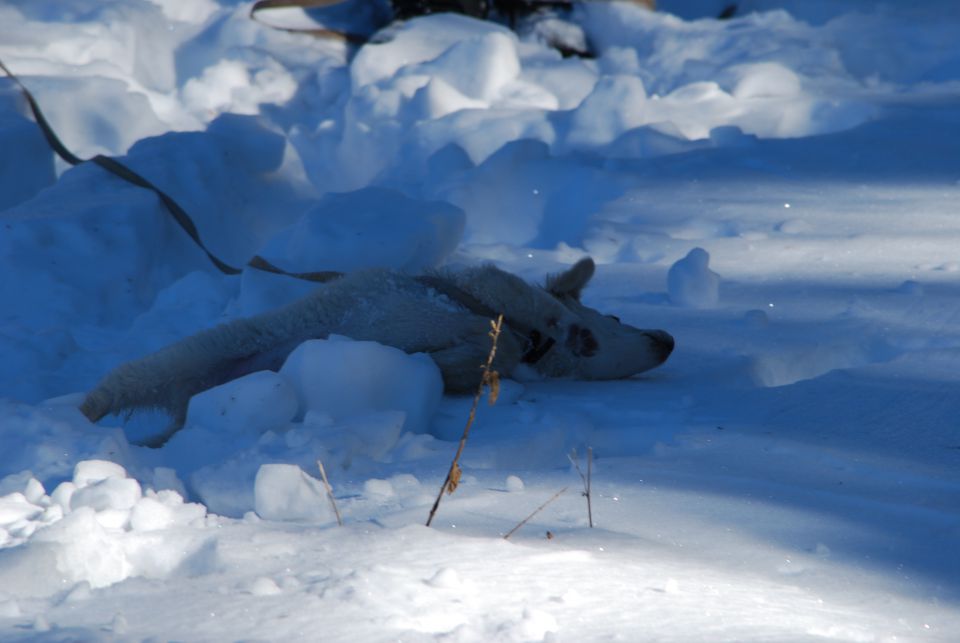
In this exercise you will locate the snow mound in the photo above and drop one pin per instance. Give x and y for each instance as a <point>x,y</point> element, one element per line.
<point>691,283</point>
<point>341,377</point>
<point>101,226</point>
<point>369,228</point>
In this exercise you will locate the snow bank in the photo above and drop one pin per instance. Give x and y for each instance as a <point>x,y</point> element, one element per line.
<point>369,228</point>
<point>443,80</point>
<point>26,161</point>
<point>99,251</point>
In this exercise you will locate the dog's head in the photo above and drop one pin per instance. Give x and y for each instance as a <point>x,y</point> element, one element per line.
<point>590,345</point>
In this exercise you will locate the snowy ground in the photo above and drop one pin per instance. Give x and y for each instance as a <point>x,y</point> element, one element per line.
<point>791,473</point>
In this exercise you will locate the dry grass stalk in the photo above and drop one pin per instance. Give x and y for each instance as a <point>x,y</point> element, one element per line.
<point>491,379</point>
<point>535,512</point>
<point>326,484</point>
<point>585,478</point>
<point>589,483</point>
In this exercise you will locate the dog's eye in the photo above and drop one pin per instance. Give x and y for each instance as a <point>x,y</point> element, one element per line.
<point>581,341</point>
<point>614,318</point>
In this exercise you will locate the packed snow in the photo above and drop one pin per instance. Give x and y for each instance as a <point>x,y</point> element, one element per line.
<point>690,282</point>
<point>779,191</point>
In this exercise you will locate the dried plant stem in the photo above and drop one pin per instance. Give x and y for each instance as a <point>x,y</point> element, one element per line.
<point>489,378</point>
<point>535,512</point>
<point>326,484</point>
<point>585,478</point>
<point>589,476</point>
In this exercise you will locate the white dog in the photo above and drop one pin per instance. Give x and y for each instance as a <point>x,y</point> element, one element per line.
<point>445,314</point>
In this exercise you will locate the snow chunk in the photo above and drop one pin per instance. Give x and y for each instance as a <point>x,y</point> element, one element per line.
<point>535,625</point>
<point>343,378</point>
<point>119,625</point>
<point>63,494</point>
<point>34,491</point>
<point>616,105</point>
<point>764,80</point>
<point>92,533</point>
<point>370,435</point>
<point>378,489</point>
<point>227,86</point>
<point>479,67</point>
<point>88,472</point>
<point>81,549</point>
<point>110,493</point>
<point>514,484</point>
<point>285,492</point>
<point>15,507</point>
<point>263,586</point>
<point>422,39</point>
<point>150,515</point>
<point>252,404</point>
<point>195,11</point>
<point>437,99</point>
<point>691,283</point>
<point>445,578</point>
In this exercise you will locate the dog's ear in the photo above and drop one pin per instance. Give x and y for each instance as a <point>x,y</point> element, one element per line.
<point>571,282</point>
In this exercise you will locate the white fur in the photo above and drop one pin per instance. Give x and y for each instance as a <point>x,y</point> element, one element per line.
<point>401,311</point>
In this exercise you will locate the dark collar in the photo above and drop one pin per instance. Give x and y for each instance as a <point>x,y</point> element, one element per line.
<point>537,346</point>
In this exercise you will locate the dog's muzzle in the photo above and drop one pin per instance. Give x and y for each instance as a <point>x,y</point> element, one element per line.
<point>662,343</point>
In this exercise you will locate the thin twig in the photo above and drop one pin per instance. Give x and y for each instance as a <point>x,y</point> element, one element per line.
<point>489,378</point>
<point>535,512</point>
<point>589,475</point>
<point>326,483</point>
<point>575,461</point>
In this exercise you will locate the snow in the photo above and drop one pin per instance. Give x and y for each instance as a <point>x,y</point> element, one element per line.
<point>341,377</point>
<point>250,405</point>
<point>93,531</point>
<point>285,492</point>
<point>779,191</point>
<point>359,229</point>
<point>690,282</point>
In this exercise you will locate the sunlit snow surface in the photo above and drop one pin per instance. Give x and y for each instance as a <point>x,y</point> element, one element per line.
<point>790,474</point>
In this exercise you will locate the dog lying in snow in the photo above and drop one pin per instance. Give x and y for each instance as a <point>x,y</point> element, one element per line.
<point>445,314</point>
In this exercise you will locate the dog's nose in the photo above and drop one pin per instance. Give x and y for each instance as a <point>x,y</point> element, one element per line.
<point>662,343</point>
